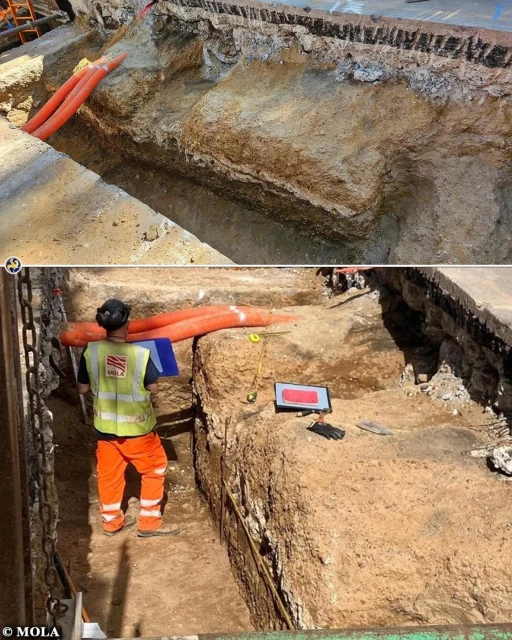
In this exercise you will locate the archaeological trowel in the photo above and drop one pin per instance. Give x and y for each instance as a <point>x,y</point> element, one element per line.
<point>374,427</point>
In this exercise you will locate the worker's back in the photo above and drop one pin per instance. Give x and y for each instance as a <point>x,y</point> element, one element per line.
<point>122,405</point>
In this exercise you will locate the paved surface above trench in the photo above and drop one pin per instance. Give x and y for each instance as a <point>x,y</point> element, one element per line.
<point>54,211</point>
<point>489,14</point>
<point>485,292</point>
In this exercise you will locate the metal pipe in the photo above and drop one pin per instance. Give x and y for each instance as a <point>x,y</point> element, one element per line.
<point>16,600</point>
<point>31,25</point>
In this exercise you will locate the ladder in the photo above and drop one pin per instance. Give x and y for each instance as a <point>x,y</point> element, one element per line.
<point>14,7</point>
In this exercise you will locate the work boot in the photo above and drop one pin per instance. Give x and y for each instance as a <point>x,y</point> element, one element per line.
<point>129,521</point>
<point>164,530</point>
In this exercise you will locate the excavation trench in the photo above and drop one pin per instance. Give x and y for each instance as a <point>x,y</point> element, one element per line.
<point>241,234</point>
<point>368,531</point>
<point>279,136</point>
<point>133,589</point>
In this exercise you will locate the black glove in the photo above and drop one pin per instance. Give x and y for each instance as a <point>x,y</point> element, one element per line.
<point>327,430</point>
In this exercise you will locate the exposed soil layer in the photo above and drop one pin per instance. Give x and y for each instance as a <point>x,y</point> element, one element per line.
<point>155,290</point>
<point>371,530</point>
<point>487,47</point>
<point>245,236</point>
<point>151,291</point>
<point>395,156</point>
<point>410,528</point>
<point>392,154</point>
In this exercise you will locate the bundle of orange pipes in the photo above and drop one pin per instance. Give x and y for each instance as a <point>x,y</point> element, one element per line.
<point>178,325</point>
<point>70,97</point>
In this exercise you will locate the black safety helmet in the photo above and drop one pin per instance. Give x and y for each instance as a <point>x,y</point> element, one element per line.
<point>113,314</point>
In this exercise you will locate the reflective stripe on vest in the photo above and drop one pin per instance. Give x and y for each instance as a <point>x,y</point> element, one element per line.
<point>122,406</point>
<point>116,417</point>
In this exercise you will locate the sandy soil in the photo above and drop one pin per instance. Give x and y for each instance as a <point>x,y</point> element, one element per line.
<point>371,530</point>
<point>135,587</point>
<point>245,236</point>
<point>157,290</point>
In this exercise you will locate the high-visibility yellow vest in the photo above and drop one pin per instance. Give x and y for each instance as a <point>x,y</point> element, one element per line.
<point>122,406</point>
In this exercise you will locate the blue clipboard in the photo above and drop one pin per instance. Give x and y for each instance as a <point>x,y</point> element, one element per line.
<point>162,355</point>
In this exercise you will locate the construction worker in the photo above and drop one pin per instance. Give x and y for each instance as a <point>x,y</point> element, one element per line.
<point>122,377</point>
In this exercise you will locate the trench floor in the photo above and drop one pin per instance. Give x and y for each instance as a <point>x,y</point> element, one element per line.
<point>243,235</point>
<point>135,587</point>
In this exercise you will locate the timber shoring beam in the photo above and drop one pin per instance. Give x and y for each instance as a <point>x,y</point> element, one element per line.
<point>16,592</point>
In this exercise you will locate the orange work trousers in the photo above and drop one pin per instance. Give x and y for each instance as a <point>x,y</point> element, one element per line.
<point>147,456</point>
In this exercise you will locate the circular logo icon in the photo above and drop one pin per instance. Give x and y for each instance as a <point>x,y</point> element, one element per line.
<point>13,265</point>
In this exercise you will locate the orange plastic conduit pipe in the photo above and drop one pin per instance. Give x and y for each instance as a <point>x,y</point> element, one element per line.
<point>46,110</point>
<point>74,92</point>
<point>71,96</point>
<point>349,270</point>
<point>201,326</point>
<point>188,328</point>
<point>56,117</point>
<point>65,113</point>
<point>144,11</point>
<point>162,319</point>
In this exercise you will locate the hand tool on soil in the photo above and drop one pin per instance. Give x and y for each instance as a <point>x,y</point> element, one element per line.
<point>72,357</point>
<point>374,427</point>
<point>67,583</point>
<point>322,428</point>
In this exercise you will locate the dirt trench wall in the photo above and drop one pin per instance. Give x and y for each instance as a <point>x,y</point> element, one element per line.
<point>470,347</point>
<point>400,154</point>
<point>255,466</point>
<point>25,79</point>
<point>369,531</point>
